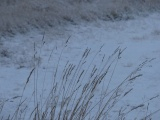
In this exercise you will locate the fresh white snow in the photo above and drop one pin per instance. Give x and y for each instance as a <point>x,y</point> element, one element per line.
<point>140,37</point>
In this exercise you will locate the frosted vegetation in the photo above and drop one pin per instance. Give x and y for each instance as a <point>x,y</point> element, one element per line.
<point>80,67</point>
<point>23,15</point>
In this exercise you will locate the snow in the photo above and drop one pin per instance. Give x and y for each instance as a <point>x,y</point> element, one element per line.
<point>140,37</point>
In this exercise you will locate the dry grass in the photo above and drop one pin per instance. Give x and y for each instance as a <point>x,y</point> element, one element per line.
<point>79,93</point>
<point>23,15</point>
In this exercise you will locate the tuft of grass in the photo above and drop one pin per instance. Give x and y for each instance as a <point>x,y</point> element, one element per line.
<point>81,91</point>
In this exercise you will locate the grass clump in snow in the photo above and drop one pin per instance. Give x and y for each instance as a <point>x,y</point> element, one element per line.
<point>81,91</point>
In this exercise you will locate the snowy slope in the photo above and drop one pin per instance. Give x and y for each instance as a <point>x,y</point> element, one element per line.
<point>140,37</point>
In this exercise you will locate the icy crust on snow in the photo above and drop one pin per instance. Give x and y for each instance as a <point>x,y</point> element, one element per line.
<point>140,37</point>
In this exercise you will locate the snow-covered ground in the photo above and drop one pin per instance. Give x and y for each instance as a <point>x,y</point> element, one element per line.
<point>140,36</point>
